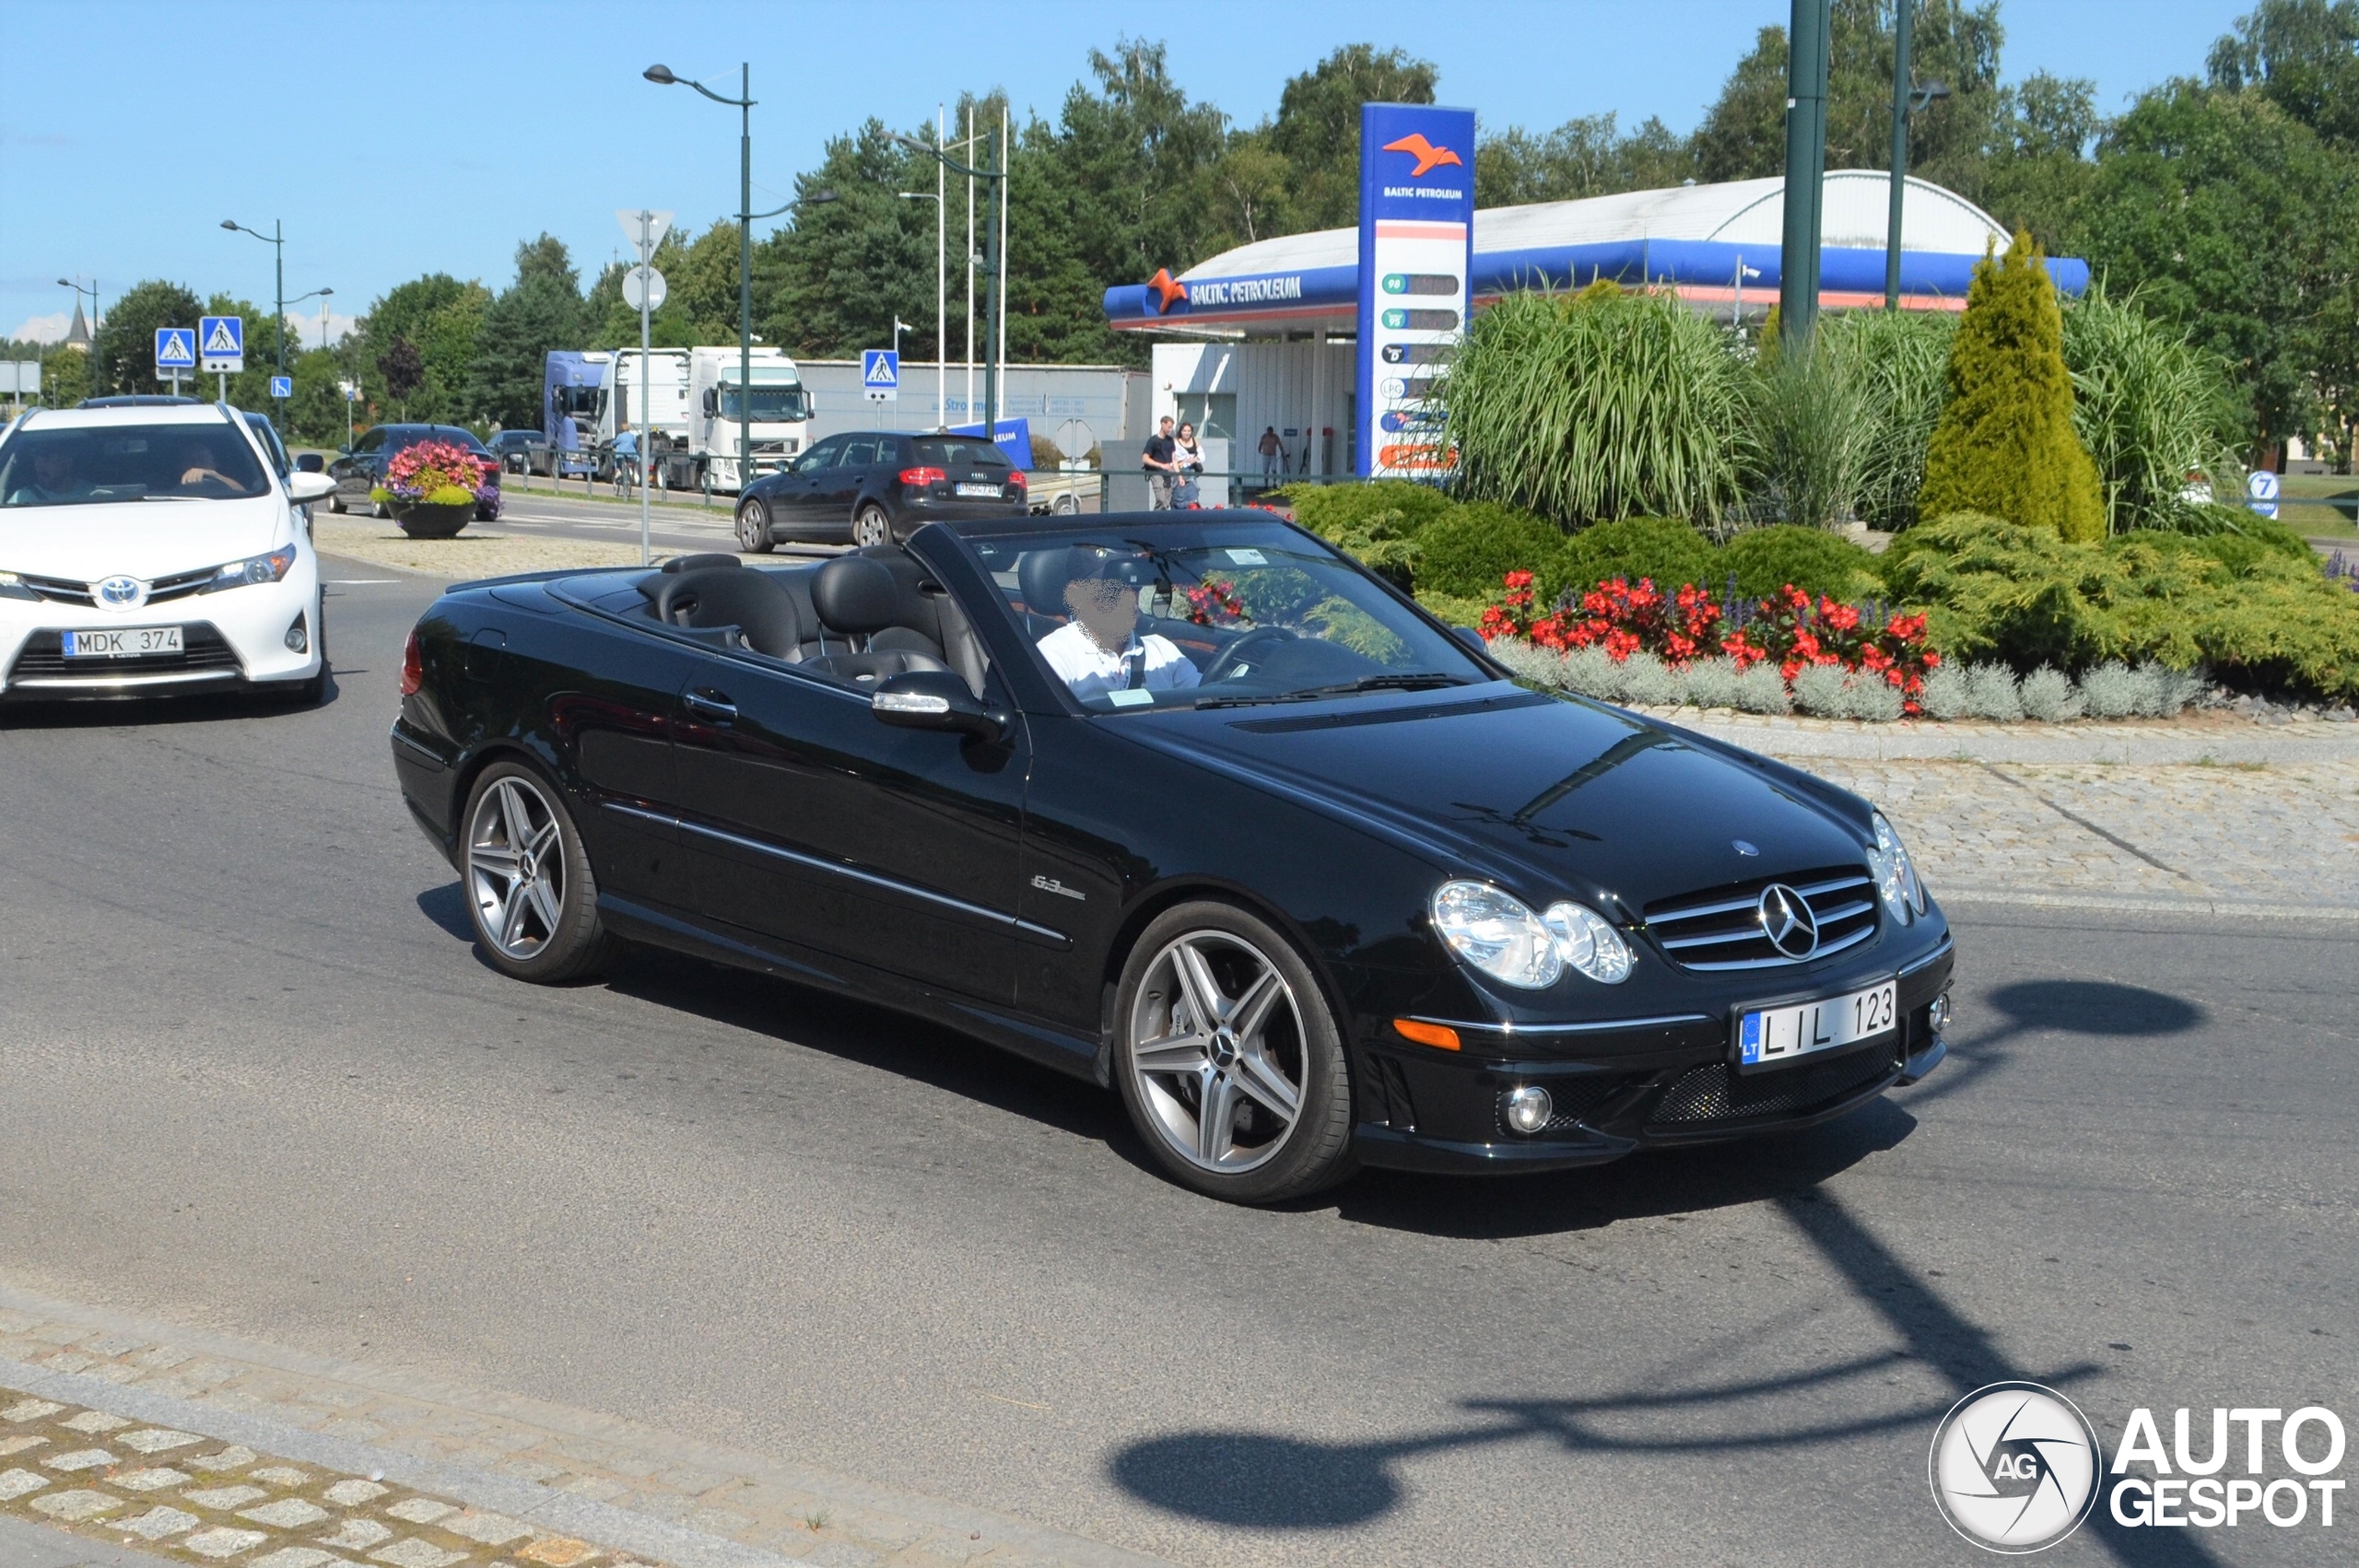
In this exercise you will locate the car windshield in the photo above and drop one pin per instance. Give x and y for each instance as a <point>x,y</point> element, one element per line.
<point>771,405</point>
<point>1215,614</point>
<point>128,462</point>
<point>952,453</point>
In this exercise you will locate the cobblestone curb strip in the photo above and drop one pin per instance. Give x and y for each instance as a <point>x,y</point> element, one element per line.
<point>475,1480</point>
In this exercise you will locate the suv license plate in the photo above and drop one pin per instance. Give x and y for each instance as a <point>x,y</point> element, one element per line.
<point>990,490</point>
<point>129,642</point>
<point>1778,1035</point>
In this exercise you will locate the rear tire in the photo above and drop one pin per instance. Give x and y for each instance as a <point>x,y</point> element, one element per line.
<point>870,526</point>
<point>526,880</point>
<point>1216,1008</point>
<point>754,527</point>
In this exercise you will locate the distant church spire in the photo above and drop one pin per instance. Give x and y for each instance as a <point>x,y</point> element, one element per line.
<point>78,334</point>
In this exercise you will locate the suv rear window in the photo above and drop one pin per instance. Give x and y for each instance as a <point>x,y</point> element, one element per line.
<point>953,452</point>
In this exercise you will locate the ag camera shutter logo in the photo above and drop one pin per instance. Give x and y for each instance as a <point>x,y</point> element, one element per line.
<point>2015,1468</point>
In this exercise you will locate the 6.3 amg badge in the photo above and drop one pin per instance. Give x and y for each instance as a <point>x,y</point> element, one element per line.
<point>2014,1467</point>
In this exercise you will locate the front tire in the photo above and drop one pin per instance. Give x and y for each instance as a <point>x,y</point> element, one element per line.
<point>335,502</point>
<point>1229,1059</point>
<point>754,526</point>
<point>527,882</point>
<point>870,526</point>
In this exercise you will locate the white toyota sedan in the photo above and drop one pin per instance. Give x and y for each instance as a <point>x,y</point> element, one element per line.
<point>155,549</point>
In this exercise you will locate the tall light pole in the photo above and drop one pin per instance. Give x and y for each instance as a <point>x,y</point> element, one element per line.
<point>744,104</point>
<point>1805,172</point>
<point>994,258</point>
<point>276,238</point>
<point>940,276</point>
<point>1907,99</point>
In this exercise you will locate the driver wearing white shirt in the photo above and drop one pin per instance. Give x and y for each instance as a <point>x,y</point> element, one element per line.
<point>1099,651</point>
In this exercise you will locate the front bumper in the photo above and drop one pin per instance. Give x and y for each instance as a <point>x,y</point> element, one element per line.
<point>234,637</point>
<point>1621,1086</point>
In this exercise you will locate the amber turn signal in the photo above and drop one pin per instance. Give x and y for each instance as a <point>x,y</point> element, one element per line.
<point>1439,1035</point>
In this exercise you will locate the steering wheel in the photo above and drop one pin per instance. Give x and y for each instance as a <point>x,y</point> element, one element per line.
<point>1223,666</point>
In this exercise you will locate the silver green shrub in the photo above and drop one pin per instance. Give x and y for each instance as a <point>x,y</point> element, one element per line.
<point>2048,695</point>
<point>1818,690</point>
<point>1713,683</point>
<point>1947,695</point>
<point>2110,691</point>
<point>1873,699</point>
<point>1990,693</point>
<point>1762,689</point>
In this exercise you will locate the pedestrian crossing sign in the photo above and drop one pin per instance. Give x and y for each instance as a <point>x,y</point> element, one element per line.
<point>880,374</point>
<point>175,348</point>
<point>221,343</point>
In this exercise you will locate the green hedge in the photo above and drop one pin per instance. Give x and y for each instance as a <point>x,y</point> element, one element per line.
<point>1764,560</point>
<point>2241,603</point>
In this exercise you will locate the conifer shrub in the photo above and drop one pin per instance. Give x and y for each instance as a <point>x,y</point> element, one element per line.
<point>2004,445</point>
<point>1472,546</point>
<point>1330,511</point>
<point>1664,549</point>
<point>1764,560</point>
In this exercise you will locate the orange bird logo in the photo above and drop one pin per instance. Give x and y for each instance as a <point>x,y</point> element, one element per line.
<point>1167,288</point>
<point>1427,155</point>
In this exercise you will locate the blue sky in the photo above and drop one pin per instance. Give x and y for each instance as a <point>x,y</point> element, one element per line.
<point>421,136</point>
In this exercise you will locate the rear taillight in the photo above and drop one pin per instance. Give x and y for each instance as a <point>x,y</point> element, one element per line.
<point>413,666</point>
<point>1015,480</point>
<point>924,476</point>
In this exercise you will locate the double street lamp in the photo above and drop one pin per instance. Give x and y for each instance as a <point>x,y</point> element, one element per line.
<point>996,180</point>
<point>322,295</point>
<point>277,241</point>
<point>746,221</point>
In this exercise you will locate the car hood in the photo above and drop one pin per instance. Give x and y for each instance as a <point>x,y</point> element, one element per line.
<point>141,539</point>
<point>1545,794</point>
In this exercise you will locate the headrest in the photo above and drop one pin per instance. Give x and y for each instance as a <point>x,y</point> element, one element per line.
<point>855,595</point>
<point>755,602</point>
<point>701,563</point>
<point>1042,574</point>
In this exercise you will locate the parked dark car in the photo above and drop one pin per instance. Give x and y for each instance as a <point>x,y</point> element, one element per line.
<point>361,468</point>
<point>1190,805</point>
<point>876,486</point>
<point>518,450</point>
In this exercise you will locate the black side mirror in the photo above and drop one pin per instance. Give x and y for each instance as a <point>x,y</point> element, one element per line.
<point>711,403</point>
<point>311,463</point>
<point>1471,638</point>
<point>937,699</point>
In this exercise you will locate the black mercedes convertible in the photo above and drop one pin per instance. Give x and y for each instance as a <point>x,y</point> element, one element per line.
<point>1191,805</point>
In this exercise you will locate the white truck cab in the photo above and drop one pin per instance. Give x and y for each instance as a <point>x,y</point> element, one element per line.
<point>692,400</point>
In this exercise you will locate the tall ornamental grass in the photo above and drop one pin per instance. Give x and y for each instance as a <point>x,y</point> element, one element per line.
<point>1602,404</point>
<point>1814,435</point>
<point>1897,361</point>
<point>2150,407</point>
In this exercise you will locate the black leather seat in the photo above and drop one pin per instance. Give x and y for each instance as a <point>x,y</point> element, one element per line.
<point>856,596</point>
<point>1041,575</point>
<point>757,606</point>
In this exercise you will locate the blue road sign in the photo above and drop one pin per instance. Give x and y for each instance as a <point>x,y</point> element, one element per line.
<point>2260,492</point>
<point>880,370</point>
<point>221,343</point>
<point>282,386</point>
<point>175,348</point>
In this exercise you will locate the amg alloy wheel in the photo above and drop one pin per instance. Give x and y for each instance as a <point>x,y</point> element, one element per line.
<point>870,527</point>
<point>1230,1060</point>
<point>528,885</point>
<point>754,527</point>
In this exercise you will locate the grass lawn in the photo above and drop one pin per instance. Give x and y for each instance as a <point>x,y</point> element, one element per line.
<point>2302,504</point>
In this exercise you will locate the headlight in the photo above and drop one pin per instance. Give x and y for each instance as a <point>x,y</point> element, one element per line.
<point>1497,934</point>
<point>258,568</point>
<point>1588,943</point>
<point>1896,873</point>
<point>13,587</point>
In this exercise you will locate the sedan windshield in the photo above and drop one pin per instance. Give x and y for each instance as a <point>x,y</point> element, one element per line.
<point>128,462</point>
<point>1213,614</point>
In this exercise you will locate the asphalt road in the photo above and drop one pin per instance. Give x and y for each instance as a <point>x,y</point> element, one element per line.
<point>253,1077</point>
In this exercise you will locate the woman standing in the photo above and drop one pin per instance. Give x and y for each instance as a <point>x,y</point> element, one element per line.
<point>1188,465</point>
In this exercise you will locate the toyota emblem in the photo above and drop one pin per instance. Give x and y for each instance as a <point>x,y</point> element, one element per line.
<point>1787,921</point>
<point>121,593</point>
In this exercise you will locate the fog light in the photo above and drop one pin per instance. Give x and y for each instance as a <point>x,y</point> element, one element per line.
<point>1529,1108</point>
<point>299,637</point>
<point>1937,1017</point>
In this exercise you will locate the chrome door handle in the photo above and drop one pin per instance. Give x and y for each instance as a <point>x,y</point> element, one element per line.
<point>716,707</point>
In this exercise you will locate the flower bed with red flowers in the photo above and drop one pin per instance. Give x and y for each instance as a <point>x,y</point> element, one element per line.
<point>1787,629</point>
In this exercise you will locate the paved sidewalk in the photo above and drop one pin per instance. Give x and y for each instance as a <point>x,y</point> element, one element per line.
<point>25,1545</point>
<point>208,1450</point>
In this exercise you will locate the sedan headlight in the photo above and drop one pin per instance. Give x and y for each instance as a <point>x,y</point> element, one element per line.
<point>1896,873</point>
<point>257,568</point>
<point>1586,942</point>
<point>13,587</point>
<point>1498,933</point>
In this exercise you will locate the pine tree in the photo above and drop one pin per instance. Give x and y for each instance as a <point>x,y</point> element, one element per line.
<point>2004,444</point>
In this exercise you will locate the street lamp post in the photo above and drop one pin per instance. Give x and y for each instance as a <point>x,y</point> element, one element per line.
<point>941,278</point>
<point>1907,99</point>
<point>322,295</point>
<point>1798,261</point>
<point>276,238</point>
<point>994,257</point>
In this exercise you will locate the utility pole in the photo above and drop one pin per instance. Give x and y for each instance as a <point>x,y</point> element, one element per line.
<point>941,279</point>
<point>1797,258</point>
<point>994,174</point>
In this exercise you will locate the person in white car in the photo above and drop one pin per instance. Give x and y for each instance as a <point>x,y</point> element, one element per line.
<point>53,480</point>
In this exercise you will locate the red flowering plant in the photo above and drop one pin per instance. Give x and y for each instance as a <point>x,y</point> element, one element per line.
<point>1213,602</point>
<point>439,474</point>
<point>1787,629</point>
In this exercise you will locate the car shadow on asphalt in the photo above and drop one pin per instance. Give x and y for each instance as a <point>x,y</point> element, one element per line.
<point>145,712</point>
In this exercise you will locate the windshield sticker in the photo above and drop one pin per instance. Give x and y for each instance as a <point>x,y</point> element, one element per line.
<point>1129,698</point>
<point>1247,558</point>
